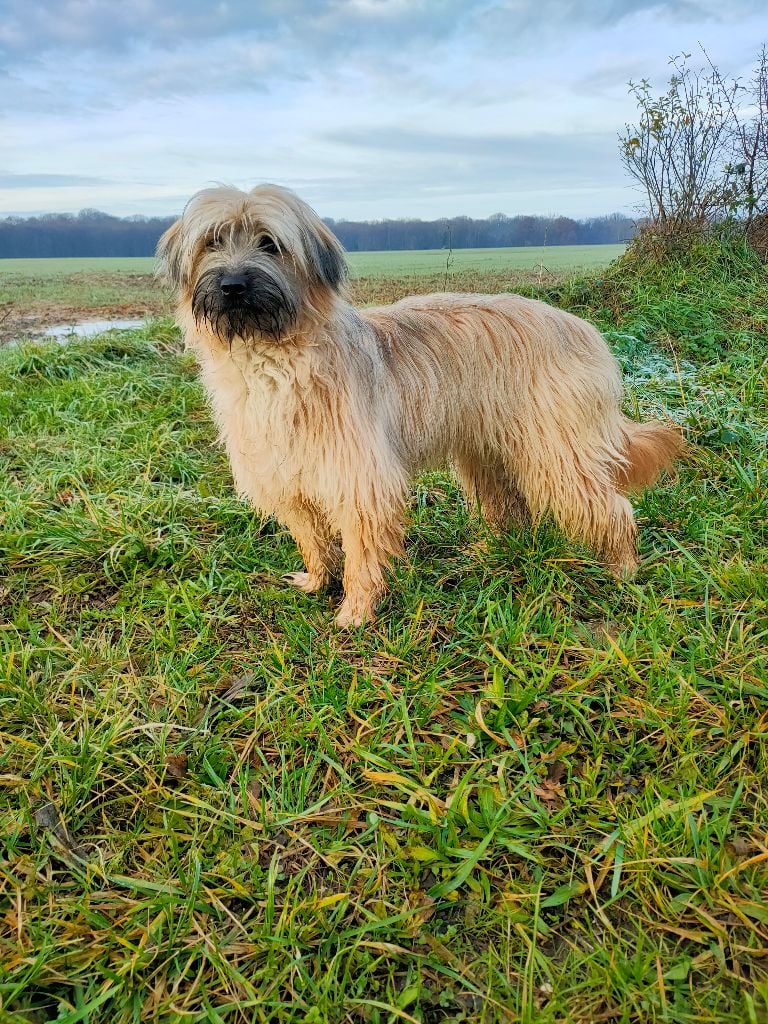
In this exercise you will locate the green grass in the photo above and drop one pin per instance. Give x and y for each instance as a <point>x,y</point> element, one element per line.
<point>426,261</point>
<point>37,293</point>
<point>528,794</point>
<point>434,261</point>
<point>78,265</point>
<point>81,291</point>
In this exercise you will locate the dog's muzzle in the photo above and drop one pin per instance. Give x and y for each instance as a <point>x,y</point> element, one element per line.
<point>245,304</point>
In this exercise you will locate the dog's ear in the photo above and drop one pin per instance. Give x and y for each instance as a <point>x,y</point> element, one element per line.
<point>328,258</point>
<point>169,256</point>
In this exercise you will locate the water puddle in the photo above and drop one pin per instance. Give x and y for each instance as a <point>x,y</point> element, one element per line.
<point>89,328</point>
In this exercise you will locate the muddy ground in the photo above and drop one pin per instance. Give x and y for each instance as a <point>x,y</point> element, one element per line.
<point>30,305</point>
<point>17,324</point>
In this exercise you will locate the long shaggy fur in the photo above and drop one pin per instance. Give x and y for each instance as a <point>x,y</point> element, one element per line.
<point>327,412</point>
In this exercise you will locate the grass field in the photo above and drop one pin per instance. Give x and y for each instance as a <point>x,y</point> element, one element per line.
<point>529,794</point>
<point>35,294</point>
<point>433,261</point>
<point>48,294</point>
<point>425,261</point>
<point>43,268</point>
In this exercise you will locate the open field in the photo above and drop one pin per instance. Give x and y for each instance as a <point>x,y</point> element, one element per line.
<point>32,301</point>
<point>35,294</point>
<point>423,261</point>
<point>528,794</point>
<point>433,261</point>
<point>65,267</point>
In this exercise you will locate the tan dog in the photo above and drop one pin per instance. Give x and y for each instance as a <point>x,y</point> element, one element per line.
<point>327,412</point>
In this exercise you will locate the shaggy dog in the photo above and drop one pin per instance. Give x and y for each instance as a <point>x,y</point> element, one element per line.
<point>327,412</point>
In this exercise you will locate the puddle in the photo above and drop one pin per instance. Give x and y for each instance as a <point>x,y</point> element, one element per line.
<point>88,328</point>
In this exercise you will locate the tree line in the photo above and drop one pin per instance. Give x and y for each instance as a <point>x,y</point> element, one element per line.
<point>93,233</point>
<point>471,233</point>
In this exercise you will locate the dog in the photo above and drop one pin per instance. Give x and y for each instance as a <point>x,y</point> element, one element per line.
<point>327,412</point>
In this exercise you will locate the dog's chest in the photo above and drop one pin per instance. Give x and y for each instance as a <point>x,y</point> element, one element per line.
<point>256,400</point>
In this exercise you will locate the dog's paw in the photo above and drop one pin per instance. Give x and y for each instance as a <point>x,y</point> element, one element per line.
<point>350,615</point>
<point>624,567</point>
<point>309,582</point>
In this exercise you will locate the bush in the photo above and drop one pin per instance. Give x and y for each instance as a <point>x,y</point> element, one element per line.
<point>757,236</point>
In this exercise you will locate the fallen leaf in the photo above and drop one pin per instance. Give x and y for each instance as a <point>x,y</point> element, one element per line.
<point>556,771</point>
<point>741,846</point>
<point>550,792</point>
<point>47,817</point>
<point>176,766</point>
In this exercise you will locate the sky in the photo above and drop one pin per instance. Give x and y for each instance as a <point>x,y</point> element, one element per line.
<point>367,108</point>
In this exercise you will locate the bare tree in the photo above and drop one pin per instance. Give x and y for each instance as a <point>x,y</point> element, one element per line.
<point>700,149</point>
<point>679,149</point>
<point>747,109</point>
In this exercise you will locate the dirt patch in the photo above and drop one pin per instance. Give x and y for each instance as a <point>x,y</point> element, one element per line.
<point>30,304</point>
<point>18,323</point>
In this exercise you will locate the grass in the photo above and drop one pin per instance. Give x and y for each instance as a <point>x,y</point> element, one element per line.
<point>66,266</point>
<point>31,302</point>
<point>436,261</point>
<point>702,302</point>
<point>81,291</point>
<point>420,261</point>
<point>528,794</point>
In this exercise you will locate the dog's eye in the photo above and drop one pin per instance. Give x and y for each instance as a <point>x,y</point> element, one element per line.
<point>268,245</point>
<point>212,243</point>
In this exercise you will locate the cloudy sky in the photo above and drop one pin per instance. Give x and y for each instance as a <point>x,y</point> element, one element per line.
<point>368,108</point>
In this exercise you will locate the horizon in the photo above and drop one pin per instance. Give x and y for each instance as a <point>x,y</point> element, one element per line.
<point>336,220</point>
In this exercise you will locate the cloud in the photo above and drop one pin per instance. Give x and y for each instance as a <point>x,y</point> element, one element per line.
<point>370,107</point>
<point>97,54</point>
<point>530,153</point>
<point>104,26</point>
<point>432,167</point>
<point>315,26</point>
<point>48,180</point>
<point>101,25</point>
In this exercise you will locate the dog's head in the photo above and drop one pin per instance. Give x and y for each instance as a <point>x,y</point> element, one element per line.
<point>252,264</point>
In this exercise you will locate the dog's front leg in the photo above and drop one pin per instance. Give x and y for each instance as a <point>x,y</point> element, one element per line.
<point>314,538</point>
<point>368,543</point>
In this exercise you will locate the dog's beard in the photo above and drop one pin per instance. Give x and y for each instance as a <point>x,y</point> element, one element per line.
<point>266,308</point>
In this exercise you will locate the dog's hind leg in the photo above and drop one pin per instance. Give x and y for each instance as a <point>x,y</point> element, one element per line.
<point>490,485</point>
<point>585,503</point>
<point>617,537</point>
<point>313,535</point>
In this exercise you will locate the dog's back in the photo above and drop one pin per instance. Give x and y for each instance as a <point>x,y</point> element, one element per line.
<point>524,399</point>
<point>477,369</point>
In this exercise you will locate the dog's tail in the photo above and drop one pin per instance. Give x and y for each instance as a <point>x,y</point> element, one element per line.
<point>649,448</point>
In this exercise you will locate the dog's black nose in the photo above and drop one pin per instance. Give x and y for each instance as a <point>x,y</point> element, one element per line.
<point>233,285</point>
